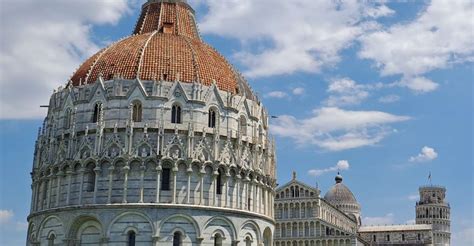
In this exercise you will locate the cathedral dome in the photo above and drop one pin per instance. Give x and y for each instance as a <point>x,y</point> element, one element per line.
<point>340,196</point>
<point>165,45</point>
<point>340,193</point>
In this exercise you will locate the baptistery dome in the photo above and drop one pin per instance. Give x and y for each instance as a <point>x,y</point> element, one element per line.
<point>155,140</point>
<point>342,197</point>
<point>165,45</point>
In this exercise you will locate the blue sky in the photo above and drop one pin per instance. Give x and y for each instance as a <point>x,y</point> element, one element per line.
<point>383,92</point>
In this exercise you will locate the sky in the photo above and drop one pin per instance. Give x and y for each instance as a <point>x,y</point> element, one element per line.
<point>380,91</point>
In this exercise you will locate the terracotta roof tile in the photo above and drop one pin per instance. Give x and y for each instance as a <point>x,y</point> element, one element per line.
<point>153,53</point>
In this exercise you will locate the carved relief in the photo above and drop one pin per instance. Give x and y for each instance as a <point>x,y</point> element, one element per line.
<point>202,151</point>
<point>174,147</point>
<point>226,156</point>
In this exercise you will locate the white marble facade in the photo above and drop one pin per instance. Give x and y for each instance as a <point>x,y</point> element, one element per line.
<point>153,162</point>
<point>303,218</point>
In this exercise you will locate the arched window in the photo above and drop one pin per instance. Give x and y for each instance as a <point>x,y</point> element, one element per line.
<point>177,239</point>
<point>176,114</point>
<point>218,240</point>
<point>403,237</point>
<point>137,111</point>
<point>374,238</point>
<point>219,182</point>
<point>243,126</point>
<point>131,238</point>
<point>427,213</point>
<point>51,239</point>
<point>212,118</point>
<point>97,112</point>
<point>419,236</point>
<point>89,178</point>
<point>68,118</point>
<point>388,238</point>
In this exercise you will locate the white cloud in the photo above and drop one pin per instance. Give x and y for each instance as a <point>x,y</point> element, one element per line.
<point>341,165</point>
<point>345,91</point>
<point>463,237</point>
<point>441,35</point>
<point>380,11</point>
<point>335,129</point>
<point>276,94</point>
<point>418,84</point>
<point>427,154</point>
<point>389,98</point>
<point>43,42</point>
<point>388,219</point>
<point>298,91</point>
<point>5,216</point>
<point>282,37</point>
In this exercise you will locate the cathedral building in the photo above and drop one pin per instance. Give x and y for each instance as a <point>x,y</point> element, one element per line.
<point>304,218</point>
<point>155,140</point>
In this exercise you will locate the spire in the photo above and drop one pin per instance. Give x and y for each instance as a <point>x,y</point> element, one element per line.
<point>294,175</point>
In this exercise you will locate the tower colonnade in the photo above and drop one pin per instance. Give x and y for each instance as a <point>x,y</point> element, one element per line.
<point>433,209</point>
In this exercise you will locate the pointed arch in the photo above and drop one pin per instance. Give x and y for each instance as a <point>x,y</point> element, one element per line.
<point>97,112</point>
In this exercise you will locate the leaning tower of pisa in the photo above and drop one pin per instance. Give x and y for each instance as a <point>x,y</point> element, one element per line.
<point>433,209</point>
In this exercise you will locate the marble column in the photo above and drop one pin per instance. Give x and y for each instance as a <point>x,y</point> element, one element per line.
<point>189,172</point>
<point>175,172</point>
<point>142,184</point>
<point>33,196</point>
<point>111,176</point>
<point>201,188</point>
<point>81,186</point>
<point>58,189</point>
<point>49,190</point>
<point>96,182</point>
<point>235,198</point>
<point>158,182</point>
<point>224,193</point>
<point>252,196</point>
<point>214,193</point>
<point>69,181</point>
<point>41,192</point>
<point>126,169</point>
<point>242,196</point>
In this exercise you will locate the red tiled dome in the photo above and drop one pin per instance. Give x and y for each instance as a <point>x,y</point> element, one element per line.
<point>165,45</point>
